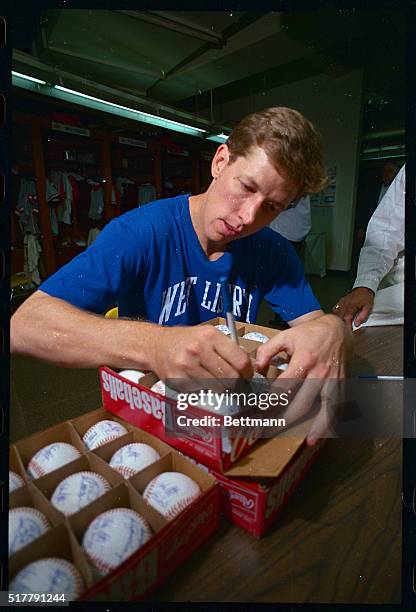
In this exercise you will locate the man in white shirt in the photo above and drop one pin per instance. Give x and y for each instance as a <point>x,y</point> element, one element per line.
<point>379,286</point>
<point>294,223</point>
<point>390,170</point>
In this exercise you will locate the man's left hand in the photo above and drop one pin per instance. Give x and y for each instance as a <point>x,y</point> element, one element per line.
<point>319,351</point>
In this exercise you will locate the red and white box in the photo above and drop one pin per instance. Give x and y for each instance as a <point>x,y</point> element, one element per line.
<point>172,541</point>
<point>136,403</point>
<point>256,489</point>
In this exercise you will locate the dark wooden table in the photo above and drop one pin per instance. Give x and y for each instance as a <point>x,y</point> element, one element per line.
<point>339,539</point>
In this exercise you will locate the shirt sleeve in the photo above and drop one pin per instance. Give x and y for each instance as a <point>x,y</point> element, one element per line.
<point>384,238</point>
<point>289,293</point>
<point>108,269</point>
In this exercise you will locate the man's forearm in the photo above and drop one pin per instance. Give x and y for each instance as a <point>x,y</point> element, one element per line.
<point>55,331</point>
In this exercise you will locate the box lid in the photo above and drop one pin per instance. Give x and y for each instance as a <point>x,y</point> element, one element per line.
<point>267,459</point>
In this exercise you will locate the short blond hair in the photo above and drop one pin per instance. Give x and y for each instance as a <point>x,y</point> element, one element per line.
<point>290,141</point>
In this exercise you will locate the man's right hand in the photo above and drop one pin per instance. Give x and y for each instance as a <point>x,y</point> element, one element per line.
<point>355,306</point>
<point>198,353</point>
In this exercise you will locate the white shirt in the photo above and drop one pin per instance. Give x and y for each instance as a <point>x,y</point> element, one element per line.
<point>382,255</point>
<point>295,222</point>
<point>382,193</point>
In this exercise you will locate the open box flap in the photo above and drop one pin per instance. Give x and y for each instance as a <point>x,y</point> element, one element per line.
<point>267,459</point>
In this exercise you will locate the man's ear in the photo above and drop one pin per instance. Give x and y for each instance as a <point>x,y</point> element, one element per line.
<point>220,160</point>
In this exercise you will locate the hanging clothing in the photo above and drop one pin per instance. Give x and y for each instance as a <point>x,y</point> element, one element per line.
<point>122,182</point>
<point>96,201</point>
<point>147,193</point>
<point>116,201</point>
<point>32,256</point>
<point>65,209</point>
<point>27,207</point>
<point>92,235</point>
<point>129,198</point>
<point>53,200</point>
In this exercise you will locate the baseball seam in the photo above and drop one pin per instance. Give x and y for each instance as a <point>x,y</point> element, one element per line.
<point>18,480</point>
<point>103,441</point>
<point>149,489</point>
<point>107,438</point>
<point>74,572</point>
<point>173,510</point>
<point>34,511</point>
<point>104,482</point>
<point>42,518</point>
<point>36,468</point>
<point>179,506</point>
<point>126,471</point>
<point>103,566</point>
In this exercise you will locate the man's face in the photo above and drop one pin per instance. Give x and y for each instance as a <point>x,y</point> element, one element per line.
<point>244,196</point>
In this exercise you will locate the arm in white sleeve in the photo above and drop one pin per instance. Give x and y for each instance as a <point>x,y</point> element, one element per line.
<point>384,238</point>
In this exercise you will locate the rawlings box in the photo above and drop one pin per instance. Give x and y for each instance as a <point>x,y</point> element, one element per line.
<point>257,488</point>
<point>139,404</point>
<point>170,527</point>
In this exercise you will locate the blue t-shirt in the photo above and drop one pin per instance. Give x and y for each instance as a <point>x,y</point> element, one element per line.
<point>150,263</point>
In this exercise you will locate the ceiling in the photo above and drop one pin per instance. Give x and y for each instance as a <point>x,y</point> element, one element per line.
<point>196,61</point>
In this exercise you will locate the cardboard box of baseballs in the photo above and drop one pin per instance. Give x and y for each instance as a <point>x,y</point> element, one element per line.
<point>258,487</point>
<point>135,401</point>
<point>107,508</point>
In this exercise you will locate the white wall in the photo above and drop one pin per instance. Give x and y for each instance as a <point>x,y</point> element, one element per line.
<point>334,106</point>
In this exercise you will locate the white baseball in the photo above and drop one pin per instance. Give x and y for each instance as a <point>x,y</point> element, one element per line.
<point>170,493</point>
<point>223,329</point>
<point>78,490</point>
<point>49,575</point>
<point>102,432</point>
<point>25,525</point>
<point>159,387</point>
<point>15,481</point>
<point>133,458</point>
<point>113,536</point>
<point>133,375</point>
<point>51,457</point>
<point>257,336</point>
<point>163,389</point>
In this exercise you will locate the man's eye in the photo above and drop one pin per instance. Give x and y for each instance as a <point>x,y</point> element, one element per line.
<point>274,207</point>
<point>245,187</point>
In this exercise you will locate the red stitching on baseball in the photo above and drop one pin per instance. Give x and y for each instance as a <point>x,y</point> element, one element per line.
<point>150,488</point>
<point>34,511</point>
<point>36,467</point>
<point>125,470</point>
<point>75,574</point>
<point>175,510</point>
<point>172,512</point>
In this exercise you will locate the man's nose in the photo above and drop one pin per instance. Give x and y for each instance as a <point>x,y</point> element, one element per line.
<point>248,210</point>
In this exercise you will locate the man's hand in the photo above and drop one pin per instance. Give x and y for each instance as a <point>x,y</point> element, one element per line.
<point>318,351</point>
<point>197,353</point>
<point>355,306</point>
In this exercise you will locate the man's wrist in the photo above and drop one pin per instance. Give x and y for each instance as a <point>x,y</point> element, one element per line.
<point>364,287</point>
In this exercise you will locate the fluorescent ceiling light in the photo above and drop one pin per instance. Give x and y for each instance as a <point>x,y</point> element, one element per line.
<point>28,78</point>
<point>77,97</point>
<point>366,158</point>
<point>218,137</point>
<point>98,103</point>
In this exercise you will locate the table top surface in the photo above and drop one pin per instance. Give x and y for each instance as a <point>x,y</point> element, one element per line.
<point>339,538</point>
